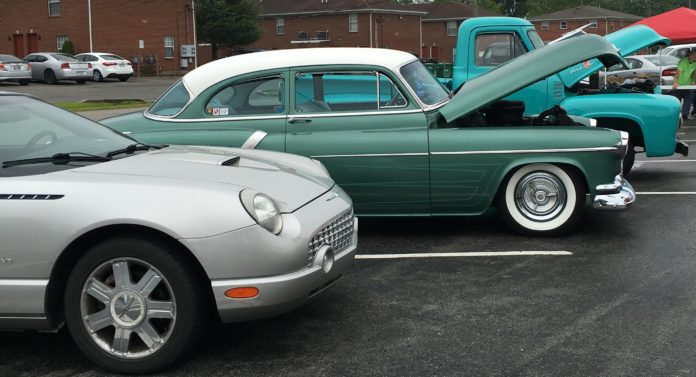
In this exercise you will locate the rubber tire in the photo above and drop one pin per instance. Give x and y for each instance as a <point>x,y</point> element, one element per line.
<point>24,82</point>
<point>50,77</point>
<point>123,79</point>
<point>97,76</point>
<point>80,82</point>
<point>630,158</point>
<point>575,201</point>
<point>192,307</point>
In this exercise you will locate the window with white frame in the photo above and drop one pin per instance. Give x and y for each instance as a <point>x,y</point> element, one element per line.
<point>352,22</point>
<point>451,28</point>
<point>563,25</point>
<point>169,47</point>
<point>280,25</point>
<point>545,25</point>
<point>60,39</point>
<point>593,24</point>
<point>53,8</point>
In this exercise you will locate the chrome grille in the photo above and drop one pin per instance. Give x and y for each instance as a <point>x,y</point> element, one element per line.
<point>338,234</point>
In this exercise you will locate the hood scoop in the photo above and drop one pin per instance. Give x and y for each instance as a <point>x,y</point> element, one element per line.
<point>234,161</point>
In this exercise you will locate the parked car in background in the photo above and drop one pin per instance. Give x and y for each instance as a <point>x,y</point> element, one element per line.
<point>14,69</point>
<point>137,248</point>
<point>51,67</point>
<point>107,65</point>
<point>678,51</point>
<point>396,140</point>
<point>658,68</point>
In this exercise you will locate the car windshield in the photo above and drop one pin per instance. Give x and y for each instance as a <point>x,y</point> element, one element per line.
<point>426,87</point>
<point>662,60</point>
<point>172,101</point>
<point>30,128</point>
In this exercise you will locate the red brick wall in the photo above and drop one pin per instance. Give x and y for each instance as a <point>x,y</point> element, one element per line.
<point>435,35</point>
<point>390,31</point>
<point>116,27</point>
<point>603,27</point>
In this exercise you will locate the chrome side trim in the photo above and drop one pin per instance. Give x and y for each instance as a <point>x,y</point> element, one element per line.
<point>23,282</point>
<point>370,155</point>
<point>254,140</point>
<point>363,113</point>
<point>237,118</point>
<point>522,151</point>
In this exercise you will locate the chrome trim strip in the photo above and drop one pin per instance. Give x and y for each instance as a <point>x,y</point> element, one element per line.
<point>237,118</point>
<point>148,115</point>
<point>364,113</point>
<point>23,282</point>
<point>371,155</point>
<point>523,151</point>
<point>24,318</point>
<point>254,140</point>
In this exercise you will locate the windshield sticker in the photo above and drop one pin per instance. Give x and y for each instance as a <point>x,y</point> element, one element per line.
<point>218,111</point>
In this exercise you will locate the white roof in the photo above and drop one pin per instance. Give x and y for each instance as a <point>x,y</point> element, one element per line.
<point>206,75</point>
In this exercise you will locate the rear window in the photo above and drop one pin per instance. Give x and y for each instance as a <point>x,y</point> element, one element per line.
<point>172,101</point>
<point>64,57</point>
<point>112,57</point>
<point>662,60</point>
<point>8,58</point>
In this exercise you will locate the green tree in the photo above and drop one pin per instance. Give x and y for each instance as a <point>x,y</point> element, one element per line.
<point>67,47</point>
<point>227,23</point>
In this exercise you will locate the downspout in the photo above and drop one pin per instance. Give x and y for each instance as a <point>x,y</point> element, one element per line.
<point>89,22</point>
<point>420,46</point>
<point>372,24</point>
<point>195,40</point>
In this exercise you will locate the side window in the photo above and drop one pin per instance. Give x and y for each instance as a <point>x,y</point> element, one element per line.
<point>634,63</point>
<point>495,49</point>
<point>318,92</point>
<point>264,96</point>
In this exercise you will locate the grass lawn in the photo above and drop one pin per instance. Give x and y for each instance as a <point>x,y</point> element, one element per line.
<point>102,105</point>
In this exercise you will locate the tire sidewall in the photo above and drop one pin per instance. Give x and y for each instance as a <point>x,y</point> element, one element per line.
<point>575,199</point>
<point>189,310</point>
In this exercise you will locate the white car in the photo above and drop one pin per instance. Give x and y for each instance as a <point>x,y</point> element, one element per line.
<point>107,66</point>
<point>678,51</point>
<point>137,247</point>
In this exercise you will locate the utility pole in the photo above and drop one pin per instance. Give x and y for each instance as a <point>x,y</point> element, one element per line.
<point>475,8</point>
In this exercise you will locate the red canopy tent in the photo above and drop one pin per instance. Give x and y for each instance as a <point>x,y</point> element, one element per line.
<point>679,25</point>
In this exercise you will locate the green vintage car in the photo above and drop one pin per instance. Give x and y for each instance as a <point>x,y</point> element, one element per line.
<point>396,140</point>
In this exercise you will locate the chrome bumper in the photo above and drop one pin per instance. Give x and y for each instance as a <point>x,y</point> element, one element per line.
<point>615,196</point>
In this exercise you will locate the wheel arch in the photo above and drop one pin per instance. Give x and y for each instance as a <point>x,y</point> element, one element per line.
<point>566,164</point>
<point>55,290</point>
<point>630,124</point>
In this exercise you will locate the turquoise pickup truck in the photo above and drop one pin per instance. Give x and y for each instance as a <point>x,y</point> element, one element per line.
<point>651,120</point>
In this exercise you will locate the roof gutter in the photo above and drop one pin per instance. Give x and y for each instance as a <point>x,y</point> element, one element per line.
<point>363,10</point>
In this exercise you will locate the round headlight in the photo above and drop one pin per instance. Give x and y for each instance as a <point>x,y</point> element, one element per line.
<point>263,209</point>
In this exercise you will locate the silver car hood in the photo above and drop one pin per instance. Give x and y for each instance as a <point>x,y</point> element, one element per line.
<point>290,180</point>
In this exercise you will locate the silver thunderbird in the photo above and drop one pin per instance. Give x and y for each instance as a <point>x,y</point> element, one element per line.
<point>137,247</point>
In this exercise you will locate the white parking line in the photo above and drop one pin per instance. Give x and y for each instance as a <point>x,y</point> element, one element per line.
<point>666,193</point>
<point>656,161</point>
<point>463,255</point>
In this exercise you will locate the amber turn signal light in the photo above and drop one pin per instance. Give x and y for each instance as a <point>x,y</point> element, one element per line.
<point>242,292</point>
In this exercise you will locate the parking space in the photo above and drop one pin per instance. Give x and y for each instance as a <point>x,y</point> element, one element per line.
<point>463,296</point>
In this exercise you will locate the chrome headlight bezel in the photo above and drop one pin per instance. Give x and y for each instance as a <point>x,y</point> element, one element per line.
<point>262,209</point>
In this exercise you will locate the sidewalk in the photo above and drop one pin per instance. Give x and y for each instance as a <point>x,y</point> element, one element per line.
<point>102,114</point>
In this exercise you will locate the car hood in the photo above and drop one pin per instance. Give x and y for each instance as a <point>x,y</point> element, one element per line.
<point>627,41</point>
<point>290,180</point>
<point>526,70</point>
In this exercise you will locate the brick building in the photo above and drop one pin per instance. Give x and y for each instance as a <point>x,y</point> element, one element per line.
<point>151,29</point>
<point>426,30</point>
<point>602,21</point>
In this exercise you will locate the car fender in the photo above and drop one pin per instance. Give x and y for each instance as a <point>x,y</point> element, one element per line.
<point>656,115</point>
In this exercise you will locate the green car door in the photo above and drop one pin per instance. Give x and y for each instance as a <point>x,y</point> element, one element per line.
<point>367,131</point>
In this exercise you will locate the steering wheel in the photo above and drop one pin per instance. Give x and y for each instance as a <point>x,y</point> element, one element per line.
<point>35,139</point>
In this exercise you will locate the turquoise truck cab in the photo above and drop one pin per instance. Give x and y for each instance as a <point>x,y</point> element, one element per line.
<point>651,120</point>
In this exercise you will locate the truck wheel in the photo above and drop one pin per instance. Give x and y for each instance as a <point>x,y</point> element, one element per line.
<point>542,200</point>
<point>134,306</point>
<point>630,157</point>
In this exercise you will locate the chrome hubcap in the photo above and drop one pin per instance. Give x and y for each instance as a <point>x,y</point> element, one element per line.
<point>128,308</point>
<point>540,196</point>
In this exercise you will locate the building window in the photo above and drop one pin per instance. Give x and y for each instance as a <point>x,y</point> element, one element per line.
<point>545,25</point>
<point>280,26</point>
<point>563,25</point>
<point>352,22</point>
<point>53,8</point>
<point>451,28</point>
<point>60,39</point>
<point>593,24</point>
<point>168,47</point>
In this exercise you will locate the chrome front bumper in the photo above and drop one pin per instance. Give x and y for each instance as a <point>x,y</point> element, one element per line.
<point>615,196</point>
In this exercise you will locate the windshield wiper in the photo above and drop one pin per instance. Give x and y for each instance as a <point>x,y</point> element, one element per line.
<point>58,158</point>
<point>134,148</point>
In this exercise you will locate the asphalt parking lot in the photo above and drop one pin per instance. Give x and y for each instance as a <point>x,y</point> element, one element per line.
<point>613,298</point>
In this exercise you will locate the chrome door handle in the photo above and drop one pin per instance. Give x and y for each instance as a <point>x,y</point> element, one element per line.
<point>299,120</point>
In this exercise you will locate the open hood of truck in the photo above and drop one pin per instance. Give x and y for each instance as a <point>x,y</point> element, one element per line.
<point>526,70</point>
<point>627,41</point>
